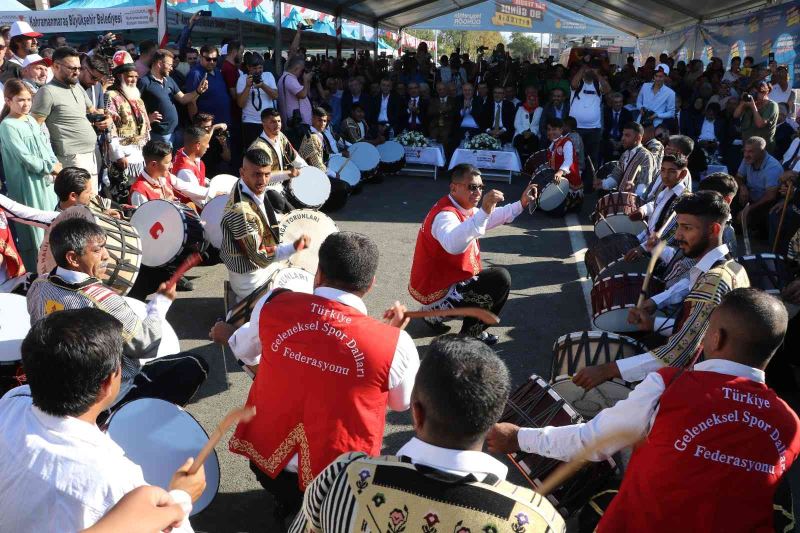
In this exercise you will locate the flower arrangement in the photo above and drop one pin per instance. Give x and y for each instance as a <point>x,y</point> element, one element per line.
<point>483,141</point>
<point>413,139</point>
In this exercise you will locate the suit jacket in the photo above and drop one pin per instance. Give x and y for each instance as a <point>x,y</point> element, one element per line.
<point>507,112</point>
<point>548,112</point>
<point>458,106</point>
<point>441,115</point>
<point>625,116</point>
<point>404,116</point>
<point>365,100</point>
<point>352,133</point>
<point>392,110</point>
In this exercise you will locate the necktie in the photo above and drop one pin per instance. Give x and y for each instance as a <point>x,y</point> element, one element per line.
<point>414,112</point>
<point>496,117</point>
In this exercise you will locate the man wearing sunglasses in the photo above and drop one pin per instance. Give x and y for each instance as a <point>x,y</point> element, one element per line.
<point>446,272</point>
<point>216,100</point>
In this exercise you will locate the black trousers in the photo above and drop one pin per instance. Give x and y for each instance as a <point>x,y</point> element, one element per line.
<point>174,378</point>
<point>591,137</point>
<point>488,290</point>
<point>284,490</point>
<point>279,202</point>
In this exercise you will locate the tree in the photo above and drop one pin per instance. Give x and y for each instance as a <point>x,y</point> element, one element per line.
<point>468,41</point>
<point>522,46</point>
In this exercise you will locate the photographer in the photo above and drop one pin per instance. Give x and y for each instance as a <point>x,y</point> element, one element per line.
<point>255,91</point>
<point>293,93</point>
<point>94,78</point>
<point>759,114</point>
<point>588,88</point>
<point>218,156</point>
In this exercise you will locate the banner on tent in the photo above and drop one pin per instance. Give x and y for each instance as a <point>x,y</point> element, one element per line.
<point>72,20</point>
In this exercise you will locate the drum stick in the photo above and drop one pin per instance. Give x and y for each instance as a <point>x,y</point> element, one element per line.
<point>603,219</point>
<point>483,315</point>
<point>666,223</point>
<point>789,191</point>
<point>244,414</point>
<point>345,162</point>
<point>745,230</point>
<point>656,253</point>
<point>190,262</point>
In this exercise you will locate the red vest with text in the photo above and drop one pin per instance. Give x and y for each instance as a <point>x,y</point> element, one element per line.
<point>321,388</point>
<point>11,262</point>
<point>434,270</point>
<point>151,192</point>
<point>711,462</point>
<point>184,162</point>
<point>555,155</point>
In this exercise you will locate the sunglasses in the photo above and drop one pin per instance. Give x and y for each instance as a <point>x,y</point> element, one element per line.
<point>72,69</point>
<point>210,59</point>
<point>474,187</point>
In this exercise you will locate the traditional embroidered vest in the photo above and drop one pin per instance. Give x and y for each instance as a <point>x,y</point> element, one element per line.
<point>712,461</point>
<point>555,155</point>
<point>152,192</point>
<point>322,385</point>
<point>724,276</point>
<point>129,119</point>
<point>11,262</point>
<point>434,270</point>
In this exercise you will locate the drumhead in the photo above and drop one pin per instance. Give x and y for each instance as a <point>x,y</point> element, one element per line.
<point>365,156</point>
<point>589,403</point>
<point>221,183</point>
<point>312,223</point>
<point>620,266</point>
<point>577,350</point>
<point>294,279</point>
<point>616,320</point>
<point>391,152</point>
<point>620,224</point>
<point>349,173</point>
<point>159,436</point>
<point>311,187</point>
<point>15,325</point>
<point>212,220</point>
<point>553,195</point>
<point>161,228</point>
<point>169,340</point>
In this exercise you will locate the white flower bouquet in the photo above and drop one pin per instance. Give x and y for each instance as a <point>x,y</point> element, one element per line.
<point>483,141</point>
<point>412,139</point>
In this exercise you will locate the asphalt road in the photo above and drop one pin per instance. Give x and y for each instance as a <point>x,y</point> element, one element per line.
<point>546,302</point>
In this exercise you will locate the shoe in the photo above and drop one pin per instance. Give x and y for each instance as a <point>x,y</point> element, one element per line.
<point>488,338</point>
<point>436,323</point>
<point>184,285</point>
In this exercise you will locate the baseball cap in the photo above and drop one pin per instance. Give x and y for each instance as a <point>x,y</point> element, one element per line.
<point>30,59</point>
<point>663,68</point>
<point>21,27</point>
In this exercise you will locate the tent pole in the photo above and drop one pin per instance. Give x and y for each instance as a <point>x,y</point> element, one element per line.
<point>375,40</point>
<point>338,25</point>
<point>696,35</point>
<point>276,55</point>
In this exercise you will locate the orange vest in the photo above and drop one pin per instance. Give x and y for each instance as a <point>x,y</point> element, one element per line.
<point>434,270</point>
<point>181,162</point>
<point>11,261</point>
<point>322,385</point>
<point>555,156</point>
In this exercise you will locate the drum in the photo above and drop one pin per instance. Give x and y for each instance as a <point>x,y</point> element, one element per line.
<point>348,171</point>
<point>552,196</point>
<point>366,157</point>
<point>211,218</point>
<point>13,329</point>
<point>221,183</point>
<point>581,349</point>
<point>393,157</point>
<point>611,214</point>
<point>159,436</point>
<point>122,242</point>
<point>168,230</point>
<point>606,250</point>
<point>605,170</point>
<point>310,189</point>
<point>281,276</point>
<point>169,344</point>
<point>535,163</point>
<point>620,266</point>
<point>612,297</point>
<point>536,404</point>
<point>312,223</point>
<point>770,273</point>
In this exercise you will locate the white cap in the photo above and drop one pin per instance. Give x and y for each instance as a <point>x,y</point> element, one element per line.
<point>30,59</point>
<point>21,27</point>
<point>663,68</point>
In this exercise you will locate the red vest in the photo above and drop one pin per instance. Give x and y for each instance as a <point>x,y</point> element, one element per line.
<point>555,156</point>
<point>712,461</point>
<point>181,162</point>
<point>434,270</point>
<point>11,262</point>
<point>321,388</point>
<point>151,192</point>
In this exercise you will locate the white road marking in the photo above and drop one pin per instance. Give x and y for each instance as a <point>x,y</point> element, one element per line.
<point>575,230</point>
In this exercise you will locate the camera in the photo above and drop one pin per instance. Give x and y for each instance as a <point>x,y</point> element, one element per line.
<point>95,117</point>
<point>482,49</point>
<point>256,79</point>
<point>747,97</point>
<point>303,27</point>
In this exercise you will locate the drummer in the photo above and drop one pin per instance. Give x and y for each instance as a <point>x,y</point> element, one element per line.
<point>446,271</point>
<point>12,269</point>
<point>157,182</point>
<point>189,168</point>
<point>60,471</point>
<point>285,162</point>
<point>250,240</point>
<point>634,170</point>
<point>355,128</point>
<point>563,158</point>
<point>73,186</point>
<point>714,441</point>
<point>314,150</point>
<point>701,219</point>
<point>79,250</point>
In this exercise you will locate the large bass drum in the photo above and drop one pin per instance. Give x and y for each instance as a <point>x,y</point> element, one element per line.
<point>281,275</point>
<point>168,231</point>
<point>535,163</point>
<point>613,297</point>
<point>606,250</point>
<point>366,157</point>
<point>309,222</point>
<point>347,170</point>
<point>770,273</point>
<point>611,214</point>
<point>393,157</point>
<point>310,189</point>
<point>552,197</point>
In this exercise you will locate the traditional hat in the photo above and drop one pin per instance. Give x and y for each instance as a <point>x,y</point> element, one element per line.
<point>122,62</point>
<point>21,27</point>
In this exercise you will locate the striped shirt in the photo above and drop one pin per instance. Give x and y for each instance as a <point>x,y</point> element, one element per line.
<point>634,171</point>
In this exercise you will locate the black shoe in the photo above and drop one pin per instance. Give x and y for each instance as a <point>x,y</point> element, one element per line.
<point>184,285</point>
<point>437,325</point>
<point>488,338</point>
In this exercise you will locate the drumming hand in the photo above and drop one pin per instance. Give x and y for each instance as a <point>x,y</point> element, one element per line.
<point>649,306</point>
<point>193,485</point>
<point>491,199</point>
<point>791,293</point>
<point>652,240</point>
<point>502,438</point>
<point>302,243</point>
<point>633,254</point>
<point>170,292</point>
<point>122,162</point>
<point>558,175</point>
<point>113,213</point>
<point>221,332</point>
<point>293,172</point>
<point>597,184</point>
<point>155,116</point>
<point>395,316</point>
<point>636,215</point>
<point>592,376</point>
<point>530,193</point>
<point>642,319</point>
<point>146,509</point>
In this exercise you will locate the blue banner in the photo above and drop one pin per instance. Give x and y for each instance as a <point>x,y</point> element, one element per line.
<point>528,16</point>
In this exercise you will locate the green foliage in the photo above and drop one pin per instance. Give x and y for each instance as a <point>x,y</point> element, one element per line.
<point>522,46</point>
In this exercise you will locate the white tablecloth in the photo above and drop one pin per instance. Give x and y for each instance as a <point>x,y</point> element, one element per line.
<point>429,155</point>
<point>504,159</point>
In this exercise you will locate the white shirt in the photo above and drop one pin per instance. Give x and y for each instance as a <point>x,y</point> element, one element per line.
<point>497,112</point>
<point>193,190</point>
<point>468,121</point>
<point>586,107</point>
<point>246,346</point>
<point>276,179</point>
<point>661,102</point>
<point>251,113</point>
<point>383,115</point>
<point>637,367</point>
<point>457,462</point>
<point>59,473</point>
<point>456,236</point>
<point>632,417</point>
<point>524,121</point>
<point>188,183</point>
<point>653,209</point>
<point>707,131</point>
<point>793,151</point>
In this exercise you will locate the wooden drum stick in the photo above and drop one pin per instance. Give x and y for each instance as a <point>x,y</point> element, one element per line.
<point>244,414</point>
<point>483,315</point>
<point>655,254</point>
<point>789,191</point>
<point>745,230</point>
<point>189,263</point>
